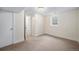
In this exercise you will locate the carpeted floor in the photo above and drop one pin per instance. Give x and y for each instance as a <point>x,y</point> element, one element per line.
<point>44,43</point>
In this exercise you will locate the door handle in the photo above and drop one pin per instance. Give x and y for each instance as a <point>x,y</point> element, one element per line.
<point>11,28</point>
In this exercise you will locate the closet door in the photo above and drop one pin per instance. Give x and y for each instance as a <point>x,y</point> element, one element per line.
<point>28,25</point>
<point>5,29</point>
<point>37,25</point>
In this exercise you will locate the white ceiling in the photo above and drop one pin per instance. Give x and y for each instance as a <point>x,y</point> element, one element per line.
<point>31,10</point>
<point>11,9</point>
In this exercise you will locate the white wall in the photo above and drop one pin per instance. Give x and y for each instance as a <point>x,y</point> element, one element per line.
<point>67,25</point>
<point>78,24</point>
<point>19,26</point>
<point>37,25</point>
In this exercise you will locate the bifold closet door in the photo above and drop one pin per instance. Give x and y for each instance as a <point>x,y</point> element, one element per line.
<point>5,29</point>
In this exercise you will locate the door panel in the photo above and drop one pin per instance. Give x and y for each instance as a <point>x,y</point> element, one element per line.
<point>28,25</point>
<point>5,29</point>
<point>37,25</point>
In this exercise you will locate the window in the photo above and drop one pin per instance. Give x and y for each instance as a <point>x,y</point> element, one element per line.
<point>54,20</point>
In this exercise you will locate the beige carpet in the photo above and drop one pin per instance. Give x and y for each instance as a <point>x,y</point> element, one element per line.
<point>44,43</point>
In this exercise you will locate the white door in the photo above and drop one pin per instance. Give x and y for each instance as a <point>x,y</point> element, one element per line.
<point>28,25</point>
<point>5,29</point>
<point>38,25</point>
